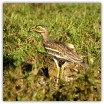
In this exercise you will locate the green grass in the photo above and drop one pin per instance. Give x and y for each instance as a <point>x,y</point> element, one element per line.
<point>25,61</point>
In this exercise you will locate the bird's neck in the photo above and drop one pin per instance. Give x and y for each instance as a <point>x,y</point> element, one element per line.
<point>45,36</point>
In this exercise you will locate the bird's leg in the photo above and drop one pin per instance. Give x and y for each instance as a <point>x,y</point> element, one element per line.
<point>58,69</point>
<point>62,70</point>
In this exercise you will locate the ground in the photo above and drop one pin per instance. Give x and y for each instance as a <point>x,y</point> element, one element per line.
<point>29,73</point>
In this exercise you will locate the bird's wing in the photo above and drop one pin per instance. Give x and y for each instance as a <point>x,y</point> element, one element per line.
<point>60,50</point>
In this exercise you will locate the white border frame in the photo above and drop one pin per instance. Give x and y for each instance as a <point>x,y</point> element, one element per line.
<point>52,1</point>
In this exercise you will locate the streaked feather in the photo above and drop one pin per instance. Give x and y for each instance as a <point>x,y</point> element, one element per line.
<point>58,49</point>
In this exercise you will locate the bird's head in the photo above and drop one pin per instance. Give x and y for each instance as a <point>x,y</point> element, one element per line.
<point>39,29</point>
<point>42,30</point>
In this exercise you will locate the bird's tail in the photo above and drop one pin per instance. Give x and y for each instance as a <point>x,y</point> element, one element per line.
<point>84,65</point>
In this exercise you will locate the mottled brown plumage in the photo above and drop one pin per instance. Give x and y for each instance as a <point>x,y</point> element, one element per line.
<point>58,49</point>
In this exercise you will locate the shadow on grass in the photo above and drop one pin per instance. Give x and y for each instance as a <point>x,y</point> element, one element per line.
<point>26,67</point>
<point>7,62</point>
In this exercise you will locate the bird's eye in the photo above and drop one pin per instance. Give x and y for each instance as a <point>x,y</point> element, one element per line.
<point>38,28</point>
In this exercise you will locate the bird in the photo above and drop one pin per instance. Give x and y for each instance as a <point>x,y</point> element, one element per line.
<point>58,50</point>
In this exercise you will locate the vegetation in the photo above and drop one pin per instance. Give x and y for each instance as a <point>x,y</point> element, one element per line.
<point>29,72</point>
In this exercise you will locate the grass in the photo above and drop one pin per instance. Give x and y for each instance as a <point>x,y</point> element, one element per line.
<point>29,72</point>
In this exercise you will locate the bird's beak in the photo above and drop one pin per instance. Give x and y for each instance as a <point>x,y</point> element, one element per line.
<point>31,29</point>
